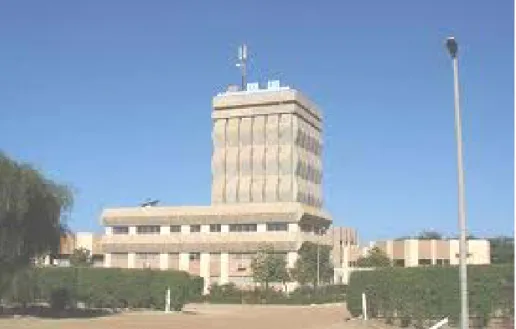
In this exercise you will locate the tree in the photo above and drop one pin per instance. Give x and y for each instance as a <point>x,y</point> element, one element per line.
<point>32,216</point>
<point>305,269</point>
<point>375,258</point>
<point>269,266</point>
<point>502,250</point>
<point>430,235</point>
<point>80,257</point>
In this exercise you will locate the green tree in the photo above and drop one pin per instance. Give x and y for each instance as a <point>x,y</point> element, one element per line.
<point>430,235</point>
<point>502,250</point>
<point>32,216</point>
<point>80,257</point>
<point>305,269</point>
<point>268,266</point>
<point>375,258</point>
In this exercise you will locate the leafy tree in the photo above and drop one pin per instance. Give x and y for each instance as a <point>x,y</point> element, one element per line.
<point>32,210</point>
<point>502,250</point>
<point>80,257</point>
<point>269,266</point>
<point>375,258</point>
<point>305,269</point>
<point>430,235</point>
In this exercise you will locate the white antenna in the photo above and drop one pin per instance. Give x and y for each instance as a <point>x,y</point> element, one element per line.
<point>242,64</point>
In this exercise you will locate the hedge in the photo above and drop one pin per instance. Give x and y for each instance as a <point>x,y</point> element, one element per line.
<point>231,294</point>
<point>113,288</point>
<point>422,293</point>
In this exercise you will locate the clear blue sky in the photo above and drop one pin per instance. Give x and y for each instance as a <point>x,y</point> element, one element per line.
<point>113,97</point>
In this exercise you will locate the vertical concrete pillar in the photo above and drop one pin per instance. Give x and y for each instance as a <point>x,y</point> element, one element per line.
<point>184,261</point>
<point>163,261</point>
<point>107,260</point>
<point>205,271</point>
<point>224,228</point>
<point>185,229</point>
<point>109,230</point>
<point>454,251</point>
<point>205,228</point>
<point>433,251</point>
<point>293,227</point>
<point>131,260</point>
<point>224,268</point>
<point>411,253</point>
<point>132,230</point>
<point>164,230</point>
<point>261,228</point>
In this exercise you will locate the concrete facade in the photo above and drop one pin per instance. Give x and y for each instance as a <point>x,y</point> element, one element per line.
<point>413,252</point>
<point>266,189</point>
<point>267,147</point>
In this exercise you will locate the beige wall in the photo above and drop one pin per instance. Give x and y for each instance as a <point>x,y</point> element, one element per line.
<point>413,252</point>
<point>266,148</point>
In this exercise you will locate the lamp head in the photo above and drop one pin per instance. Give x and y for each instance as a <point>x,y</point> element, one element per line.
<point>452,46</point>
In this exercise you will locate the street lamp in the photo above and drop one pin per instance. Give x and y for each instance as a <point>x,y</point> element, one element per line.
<point>320,232</point>
<point>453,49</point>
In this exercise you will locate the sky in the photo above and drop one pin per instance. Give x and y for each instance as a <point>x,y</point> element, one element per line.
<point>114,99</point>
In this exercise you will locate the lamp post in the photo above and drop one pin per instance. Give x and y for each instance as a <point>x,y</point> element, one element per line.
<point>320,232</point>
<point>453,48</point>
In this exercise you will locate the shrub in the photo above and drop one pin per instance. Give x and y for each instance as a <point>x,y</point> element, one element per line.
<point>418,294</point>
<point>60,299</point>
<point>119,288</point>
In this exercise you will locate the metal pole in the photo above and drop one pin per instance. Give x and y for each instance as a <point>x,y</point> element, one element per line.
<point>460,180</point>
<point>318,266</point>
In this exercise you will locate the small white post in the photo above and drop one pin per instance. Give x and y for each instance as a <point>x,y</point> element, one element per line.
<point>167,301</point>
<point>439,324</point>
<point>364,306</point>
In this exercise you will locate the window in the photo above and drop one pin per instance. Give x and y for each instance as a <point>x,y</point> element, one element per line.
<point>175,228</point>
<point>424,262</point>
<point>120,230</point>
<point>148,229</point>
<point>242,227</point>
<point>399,262</point>
<point>277,227</point>
<point>442,262</point>
<point>215,228</point>
<point>195,228</point>
<point>195,256</point>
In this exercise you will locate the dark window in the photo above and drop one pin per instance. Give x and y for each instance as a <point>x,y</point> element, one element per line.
<point>442,262</point>
<point>175,228</point>
<point>195,256</point>
<point>242,227</point>
<point>148,229</point>
<point>195,228</point>
<point>215,228</point>
<point>120,230</point>
<point>277,227</point>
<point>424,262</point>
<point>399,262</point>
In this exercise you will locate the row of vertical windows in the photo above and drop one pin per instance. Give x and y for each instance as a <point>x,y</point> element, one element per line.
<point>243,227</point>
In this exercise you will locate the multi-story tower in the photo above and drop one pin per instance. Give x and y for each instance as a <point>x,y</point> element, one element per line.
<point>267,147</point>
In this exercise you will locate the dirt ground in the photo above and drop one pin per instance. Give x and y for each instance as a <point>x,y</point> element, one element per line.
<point>206,317</point>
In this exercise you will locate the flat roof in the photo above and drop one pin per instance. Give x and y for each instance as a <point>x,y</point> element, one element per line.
<point>215,210</point>
<point>264,97</point>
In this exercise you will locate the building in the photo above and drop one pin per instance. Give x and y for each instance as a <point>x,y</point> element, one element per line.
<point>414,252</point>
<point>266,188</point>
<point>72,241</point>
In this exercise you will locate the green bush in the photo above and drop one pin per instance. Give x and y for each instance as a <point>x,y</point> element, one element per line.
<point>60,299</point>
<point>119,288</point>
<point>231,294</point>
<point>418,294</point>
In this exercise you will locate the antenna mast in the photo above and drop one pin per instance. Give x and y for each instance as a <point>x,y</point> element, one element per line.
<point>242,64</point>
